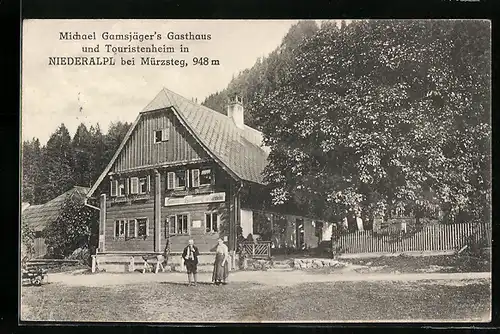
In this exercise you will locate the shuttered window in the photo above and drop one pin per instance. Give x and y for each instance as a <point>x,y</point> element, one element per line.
<point>134,185</point>
<point>120,226</point>
<point>143,185</point>
<point>181,179</point>
<point>167,228</point>
<point>195,178</point>
<point>149,183</point>
<point>121,188</point>
<point>206,176</point>
<point>211,222</point>
<point>171,225</point>
<point>170,180</point>
<point>125,228</point>
<point>127,186</point>
<point>114,186</point>
<point>132,228</point>
<point>162,135</point>
<point>178,224</point>
<point>142,227</point>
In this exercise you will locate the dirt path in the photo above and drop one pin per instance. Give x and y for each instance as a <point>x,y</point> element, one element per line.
<point>273,278</point>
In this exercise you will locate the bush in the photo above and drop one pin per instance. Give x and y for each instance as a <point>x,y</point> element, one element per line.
<point>27,240</point>
<point>73,229</point>
<point>81,254</point>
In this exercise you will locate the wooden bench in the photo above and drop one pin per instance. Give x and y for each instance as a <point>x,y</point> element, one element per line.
<point>148,266</point>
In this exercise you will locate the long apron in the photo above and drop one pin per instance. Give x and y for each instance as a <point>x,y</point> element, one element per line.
<point>221,272</point>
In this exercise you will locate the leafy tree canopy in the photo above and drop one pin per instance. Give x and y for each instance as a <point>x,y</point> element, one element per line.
<point>377,115</point>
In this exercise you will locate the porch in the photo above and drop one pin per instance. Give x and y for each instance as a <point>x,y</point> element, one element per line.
<point>283,234</point>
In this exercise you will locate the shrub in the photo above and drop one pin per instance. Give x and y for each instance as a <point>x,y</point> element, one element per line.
<point>73,229</point>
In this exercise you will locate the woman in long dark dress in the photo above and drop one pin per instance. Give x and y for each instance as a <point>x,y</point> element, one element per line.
<point>221,265</point>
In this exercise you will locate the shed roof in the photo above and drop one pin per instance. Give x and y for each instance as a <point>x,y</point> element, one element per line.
<point>39,216</point>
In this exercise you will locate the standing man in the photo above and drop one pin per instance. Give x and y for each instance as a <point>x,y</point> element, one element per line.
<point>190,256</point>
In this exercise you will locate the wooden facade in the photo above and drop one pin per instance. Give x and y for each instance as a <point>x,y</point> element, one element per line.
<point>142,150</point>
<point>141,211</point>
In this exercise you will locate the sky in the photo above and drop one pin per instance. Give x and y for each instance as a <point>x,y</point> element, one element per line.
<point>52,95</point>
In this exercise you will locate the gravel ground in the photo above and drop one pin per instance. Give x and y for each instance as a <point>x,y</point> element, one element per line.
<point>273,278</point>
<point>343,301</point>
<point>256,296</point>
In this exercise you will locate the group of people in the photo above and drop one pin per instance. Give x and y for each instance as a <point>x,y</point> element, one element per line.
<point>221,266</point>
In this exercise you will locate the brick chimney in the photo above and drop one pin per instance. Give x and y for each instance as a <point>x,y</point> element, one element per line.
<point>235,111</point>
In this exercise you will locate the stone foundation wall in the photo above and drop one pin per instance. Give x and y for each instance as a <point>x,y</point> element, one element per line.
<point>298,264</point>
<point>317,263</point>
<point>135,262</point>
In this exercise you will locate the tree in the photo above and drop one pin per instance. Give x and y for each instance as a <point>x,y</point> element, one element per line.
<point>57,165</point>
<point>97,160</point>
<point>378,113</point>
<point>27,240</point>
<point>266,73</point>
<point>31,155</point>
<point>73,229</point>
<point>82,146</point>
<point>113,139</point>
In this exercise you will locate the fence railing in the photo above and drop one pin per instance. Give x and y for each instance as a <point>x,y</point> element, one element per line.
<point>438,237</point>
<point>50,263</point>
<point>260,249</point>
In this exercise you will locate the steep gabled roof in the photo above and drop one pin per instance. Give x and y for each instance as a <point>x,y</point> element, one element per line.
<point>238,150</point>
<point>39,216</point>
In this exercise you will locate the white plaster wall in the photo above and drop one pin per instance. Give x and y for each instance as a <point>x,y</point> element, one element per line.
<point>359,222</point>
<point>246,221</point>
<point>327,231</point>
<point>309,231</point>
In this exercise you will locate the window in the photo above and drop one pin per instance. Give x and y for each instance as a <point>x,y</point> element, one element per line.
<point>161,135</point>
<point>167,228</point>
<point>170,180</point>
<point>134,185</point>
<point>120,226</point>
<point>195,178</point>
<point>139,185</point>
<point>132,229</point>
<point>206,176</point>
<point>114,186</point>
<point>142,227</point>
<point>143,185</point>
<point>211,222</point>
<point>121,188</point>
<point>180,179</point>
<point>177,180</point>
<point>178,224</point>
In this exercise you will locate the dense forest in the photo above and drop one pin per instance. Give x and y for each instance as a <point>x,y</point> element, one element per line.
<point>64,162</point>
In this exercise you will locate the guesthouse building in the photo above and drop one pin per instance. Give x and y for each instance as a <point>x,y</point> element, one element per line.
<point>184,171</point>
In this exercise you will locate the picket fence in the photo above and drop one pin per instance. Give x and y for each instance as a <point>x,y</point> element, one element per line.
<point>437,237</point>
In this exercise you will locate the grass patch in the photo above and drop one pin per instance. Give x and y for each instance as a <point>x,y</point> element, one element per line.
<point>249,302</point>
<point>414,264</point>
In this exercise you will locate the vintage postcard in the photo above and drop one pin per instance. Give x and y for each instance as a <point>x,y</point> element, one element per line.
<point>200,171</point>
